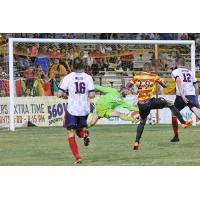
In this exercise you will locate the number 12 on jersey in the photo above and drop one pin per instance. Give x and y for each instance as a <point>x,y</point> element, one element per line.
<point>187,77</point>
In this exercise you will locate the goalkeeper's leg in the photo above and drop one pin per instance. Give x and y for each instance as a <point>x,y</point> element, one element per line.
<point>92,119</point>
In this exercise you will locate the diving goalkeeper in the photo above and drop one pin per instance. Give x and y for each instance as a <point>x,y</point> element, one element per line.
<point>108,102</point>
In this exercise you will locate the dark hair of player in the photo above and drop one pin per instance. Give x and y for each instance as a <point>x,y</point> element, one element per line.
<point>180,61</point>
<point>78,64</point>
<point>147,67</point>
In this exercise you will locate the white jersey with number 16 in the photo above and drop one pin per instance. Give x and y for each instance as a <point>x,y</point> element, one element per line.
<point>78,86</point>
<point>187,80</point>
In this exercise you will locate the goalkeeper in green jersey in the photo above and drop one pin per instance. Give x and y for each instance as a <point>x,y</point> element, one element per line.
<point>108,102</point>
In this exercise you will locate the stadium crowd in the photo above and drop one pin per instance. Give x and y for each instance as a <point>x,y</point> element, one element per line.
<point>54,61</point>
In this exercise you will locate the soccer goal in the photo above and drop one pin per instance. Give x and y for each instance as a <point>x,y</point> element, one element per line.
<point>37,65</point>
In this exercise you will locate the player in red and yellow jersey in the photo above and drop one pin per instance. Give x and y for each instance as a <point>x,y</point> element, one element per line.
<point>146,84</point>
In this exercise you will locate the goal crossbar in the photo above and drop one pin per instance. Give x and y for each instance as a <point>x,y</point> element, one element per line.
<point>98,41</point>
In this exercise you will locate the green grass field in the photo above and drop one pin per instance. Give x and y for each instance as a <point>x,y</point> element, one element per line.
<point>110,145</point>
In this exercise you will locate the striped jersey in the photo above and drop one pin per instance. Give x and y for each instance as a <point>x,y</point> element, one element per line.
<point>146,85</point>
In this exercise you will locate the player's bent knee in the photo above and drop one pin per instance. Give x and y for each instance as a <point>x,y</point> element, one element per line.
<point>167,103</point>
<point>143,121</point>
<point>71,133</point>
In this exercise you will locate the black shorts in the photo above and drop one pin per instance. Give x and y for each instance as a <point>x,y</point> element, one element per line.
<point>180,104</point>
<point>154,103</point>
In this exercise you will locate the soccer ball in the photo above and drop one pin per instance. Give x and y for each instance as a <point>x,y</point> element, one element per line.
<point>90,119</point>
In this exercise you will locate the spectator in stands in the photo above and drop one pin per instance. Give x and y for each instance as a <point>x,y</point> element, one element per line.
<point>23,63</point>
<point>55,53</point>
<point>102,48</point>
<point>165,36</point>
<point>76,51</point>
<point>3,74</point>
<point>108,48</point>
<point>127,58</point>
<point>65,59</point>
<point>112,36</point>
<point>68,36</point>
<point>27,92</point>
<point>198,65</point>
<point>34,50</point>
<point>29,73</point>
<point>90,59</point>
<point>139,36</point>
<point>43,59</point>
<point>114,64</point>
<point>42,35</point>
<point>154,36</point>
<point>36,35</point>
<point>40,74</point>
<point>103,36</point>
<point>142,36</point>
<point>182,36</point>
<point>108,36</point>
<point>98,57</point>
<point>57,70</point>
<point>82,54</point>
<point>71,54</point>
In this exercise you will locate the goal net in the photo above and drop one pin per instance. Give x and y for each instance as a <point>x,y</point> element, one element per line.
<point>36,66</point>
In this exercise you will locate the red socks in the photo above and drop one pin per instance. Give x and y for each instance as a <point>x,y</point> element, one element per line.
<point>74,147</point>
<point>175,125</point>
<point>81,133</point>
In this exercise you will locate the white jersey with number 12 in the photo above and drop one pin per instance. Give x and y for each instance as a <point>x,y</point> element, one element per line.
<point>187,80</point>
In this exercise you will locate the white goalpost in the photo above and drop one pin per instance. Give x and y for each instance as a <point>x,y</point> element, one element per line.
<point>81,41</point>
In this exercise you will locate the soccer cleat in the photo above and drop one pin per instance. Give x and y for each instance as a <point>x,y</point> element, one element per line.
<point>136,146</point>
<point>86,138</point>
<point>187,124</point>
<point>175,139</point>
<point>77,161</point>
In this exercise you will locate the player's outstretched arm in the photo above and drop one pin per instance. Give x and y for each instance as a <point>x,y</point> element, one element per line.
<point>104,90</point>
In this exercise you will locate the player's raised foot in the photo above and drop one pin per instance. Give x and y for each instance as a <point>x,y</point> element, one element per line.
<point>77,161</point>
<point>86,138</point>
<point>187,124</point>
<point>175,139</point>
<point>136,146</point>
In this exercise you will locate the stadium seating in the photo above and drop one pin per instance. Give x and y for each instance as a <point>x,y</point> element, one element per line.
<point>105,69</point>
